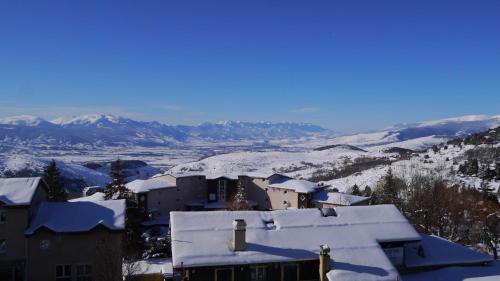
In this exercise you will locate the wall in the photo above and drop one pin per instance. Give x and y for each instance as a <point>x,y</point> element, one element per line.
<point>100,247</point>
<point>170,199</point>
<point>307,270</point>
<point>267,198</point>
<point>13,232</point>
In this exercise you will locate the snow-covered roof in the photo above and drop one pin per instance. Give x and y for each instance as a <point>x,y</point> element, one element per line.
<point>440,252</point>
<point>202,238</point>
<point>79,216</point>
<point>338,198</point>
<point>301,186</point>
<point>488,272</point>
<point>18,191</point>
<point>139,186</point>
<point>215,175</point>
<point>98,196</point>
<point>160,266</point>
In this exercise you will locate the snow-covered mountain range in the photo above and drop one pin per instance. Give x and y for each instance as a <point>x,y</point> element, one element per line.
<point>100,130</point>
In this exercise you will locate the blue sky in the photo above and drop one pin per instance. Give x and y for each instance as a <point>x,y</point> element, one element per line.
<point>345,65</point>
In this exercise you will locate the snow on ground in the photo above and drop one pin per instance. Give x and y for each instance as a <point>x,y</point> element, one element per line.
<point>295,164</point>
<point>368,177</point>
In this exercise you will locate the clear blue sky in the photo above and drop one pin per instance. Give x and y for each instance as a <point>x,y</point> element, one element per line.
<point>345,65</point>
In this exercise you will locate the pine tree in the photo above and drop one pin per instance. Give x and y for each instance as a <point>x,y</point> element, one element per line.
<point>116,189</point>
<point>355,190</point>
<point>367,192</point>
<point>389,192</point>
<point>240,199</point>
<point>52,177</point>
<point>473,168</point>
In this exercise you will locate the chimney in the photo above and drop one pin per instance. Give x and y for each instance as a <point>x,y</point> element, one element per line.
<point>324,262</point>
<point>239,230</point>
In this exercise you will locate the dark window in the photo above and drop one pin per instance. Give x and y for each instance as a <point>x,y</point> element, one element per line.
<point>290,272</point>
<point>84,272</point>
<point>63,272</point>
<point>3,246</point>
<point>224,274</point>
<point>309,270</point>
<point>3,216</point>
<point>258,273</point>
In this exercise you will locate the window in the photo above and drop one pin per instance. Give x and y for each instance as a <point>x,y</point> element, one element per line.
<point>63,272</point>
<point>44,244</point>
<point>222,190</point>
<point>225,274</point>
<point>3,246</point>
<point>258,273</point>
<point>290,272</point>
<point>3,216</point>
<point>84,272</point>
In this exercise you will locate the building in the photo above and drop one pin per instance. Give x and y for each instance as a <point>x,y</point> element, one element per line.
<point>197,192</point>
<point>76,241</point>
<point>19,201</point>
<point>336,244</point>
<point>331,199</point>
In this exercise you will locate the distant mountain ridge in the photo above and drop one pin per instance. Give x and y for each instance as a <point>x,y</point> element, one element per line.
<point>109,130</point>
<point>105,130</point>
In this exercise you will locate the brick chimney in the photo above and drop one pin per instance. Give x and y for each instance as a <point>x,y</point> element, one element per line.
<point>239,233</point>
<point>324,262</point>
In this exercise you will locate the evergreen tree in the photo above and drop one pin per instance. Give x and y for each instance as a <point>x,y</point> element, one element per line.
<point>240,198</point>
<point>388,192</point>
<point>116,189</point>
<point>355,190</point>
<point>374,200</point>
<point>367,192</point>
<point>473,168</point>
<point>52,177</point>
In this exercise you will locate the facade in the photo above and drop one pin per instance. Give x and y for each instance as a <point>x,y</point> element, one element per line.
<point>76,241</point>
<point>336,244</point>
<point>19,200</point>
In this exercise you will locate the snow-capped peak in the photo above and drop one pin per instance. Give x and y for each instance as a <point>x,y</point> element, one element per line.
<point>88,119</point>
<point>22,120</point>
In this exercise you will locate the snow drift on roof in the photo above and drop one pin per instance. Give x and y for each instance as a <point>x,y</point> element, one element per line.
<point>202,238</point>
<point>79,216</point>
<point>338,198</point>
<point>139,186</point>
<point>18,191</point>
<point>162,266</point>
<point>301,186</point>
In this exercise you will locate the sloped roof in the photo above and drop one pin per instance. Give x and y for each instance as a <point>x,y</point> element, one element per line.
<point>154,266</point>
<point>440,252</point>
<point>338,198</point>
<point>18,191</point>
<point>301,186</point>
<point>202,238</point>
<point>139,186</point>
<point>79,216</point>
